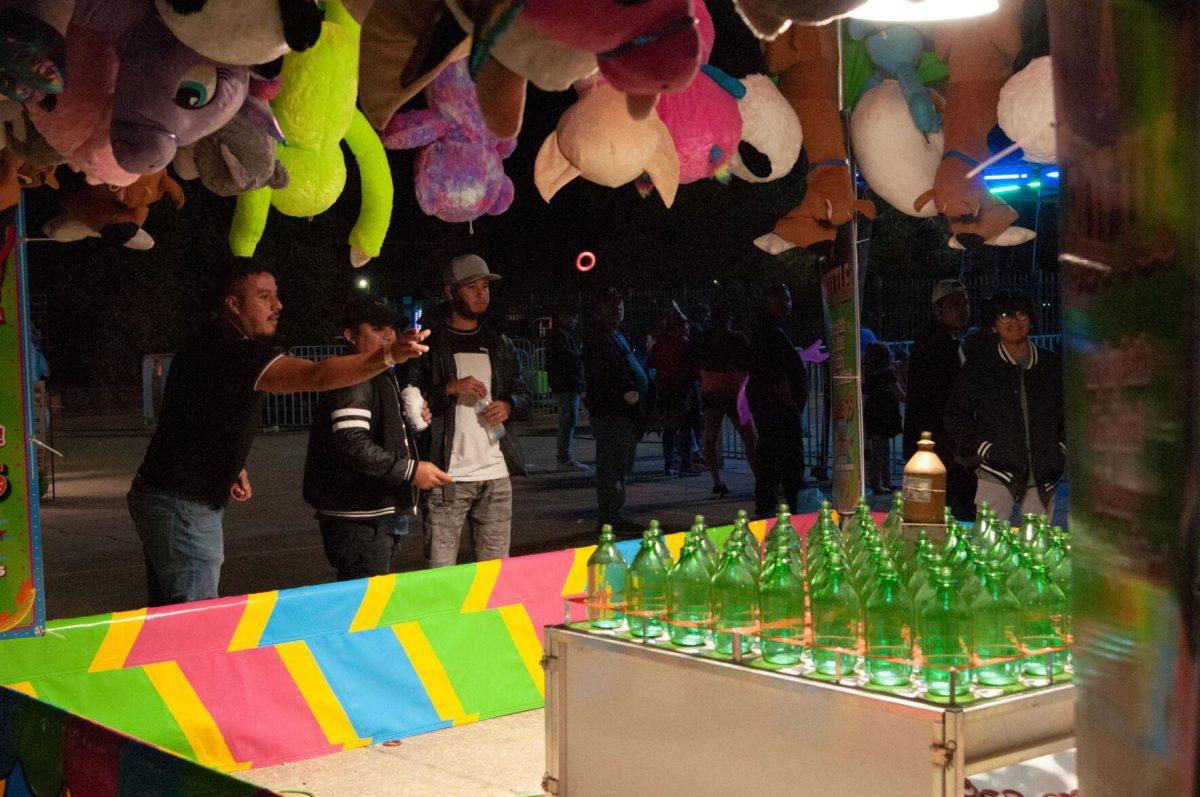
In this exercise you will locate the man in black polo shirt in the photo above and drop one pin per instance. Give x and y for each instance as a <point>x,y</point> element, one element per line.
<point>212,403</point>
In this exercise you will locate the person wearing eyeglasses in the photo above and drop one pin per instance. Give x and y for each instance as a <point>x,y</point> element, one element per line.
<point>1006,415</point>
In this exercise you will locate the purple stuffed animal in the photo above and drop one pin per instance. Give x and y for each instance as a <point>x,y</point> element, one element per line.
<point>167,96</point>
<point>459,171</point>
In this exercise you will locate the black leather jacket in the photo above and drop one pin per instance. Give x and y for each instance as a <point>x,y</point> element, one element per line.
<point>360,460</point>
<point>432,372</point>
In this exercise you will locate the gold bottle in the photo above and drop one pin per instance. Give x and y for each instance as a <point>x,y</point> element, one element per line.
<point>924,484</point>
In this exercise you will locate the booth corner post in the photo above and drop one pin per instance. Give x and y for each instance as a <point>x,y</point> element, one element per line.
<point>1127,90</point>
<point>842,300</point>
<point>22,598</point>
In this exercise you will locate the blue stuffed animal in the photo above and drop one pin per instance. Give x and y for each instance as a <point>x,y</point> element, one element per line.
<point>895,51</point>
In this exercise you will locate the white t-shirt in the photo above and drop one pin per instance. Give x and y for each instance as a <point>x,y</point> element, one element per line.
<point>474,456</point>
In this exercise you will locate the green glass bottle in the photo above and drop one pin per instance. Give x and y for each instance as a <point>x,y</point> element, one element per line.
<point>996,629</point>
<point>660,544</point>
<point>734,596</point>
<point>944,636</point>
<point>607,578</point>
<point>835,620</point>
<point>783,529</point>
<point>888,630</point>
<point>895,518</point>
<point>1043,623</point>
<point>781,597</point>
<point>1028,532</point>
<point>688,597</point>
<point>647,589</point>
<point>700,526</point>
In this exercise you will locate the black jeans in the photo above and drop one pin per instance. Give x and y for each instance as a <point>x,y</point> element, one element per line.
<point>359,547</point>
<point>780,466</point>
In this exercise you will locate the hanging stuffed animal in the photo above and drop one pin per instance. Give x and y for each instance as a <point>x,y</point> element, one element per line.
<point>703,119</point>
<point>771,133</point>
<point>123,114</point>
<point>896,159</point>
<point>896,51</point>
<point>239,157</point>
<point>1026,111</point>
<point>243,32</point>
<point>33,33</point>
<point>507,53</point>
<point>459,172</point>
<point>806,59</point>
<point>114,213</point>
<point>980,53</point>
<point>17,176</point>
<point>316,111</point>
<point>768,18</point>
<point>597,139</point>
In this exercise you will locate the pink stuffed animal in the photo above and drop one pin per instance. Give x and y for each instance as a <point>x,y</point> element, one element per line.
<point>703,118</point>
<point>459,170</point>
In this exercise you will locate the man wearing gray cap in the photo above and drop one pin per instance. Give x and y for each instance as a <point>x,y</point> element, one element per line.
<point>936,358</point>
<point>473,386</point>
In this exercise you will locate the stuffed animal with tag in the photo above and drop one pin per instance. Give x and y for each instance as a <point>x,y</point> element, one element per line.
<point>597,139</point>
<point>806,60</point>
<point>114,213</point>
<point>316,112</point>
<point>459,172</point>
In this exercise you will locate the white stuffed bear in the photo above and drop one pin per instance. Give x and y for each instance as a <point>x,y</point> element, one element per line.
<point>246,32</point>
<point>771,134</point>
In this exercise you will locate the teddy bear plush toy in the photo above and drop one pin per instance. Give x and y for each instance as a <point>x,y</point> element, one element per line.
<point>459,173</point>
<point>239,157</point>
<point>114,213</point>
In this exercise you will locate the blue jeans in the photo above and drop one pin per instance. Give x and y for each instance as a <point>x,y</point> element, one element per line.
<point>616,450</point>
<point>183,542</point>
<point>568,419</point>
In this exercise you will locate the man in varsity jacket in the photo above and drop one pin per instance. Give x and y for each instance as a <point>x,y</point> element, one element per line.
<point>362,472</point>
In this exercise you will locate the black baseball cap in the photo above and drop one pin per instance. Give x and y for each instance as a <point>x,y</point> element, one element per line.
<point>373,310</point>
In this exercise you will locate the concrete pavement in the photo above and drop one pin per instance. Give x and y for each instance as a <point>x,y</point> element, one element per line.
<point>93,560</point>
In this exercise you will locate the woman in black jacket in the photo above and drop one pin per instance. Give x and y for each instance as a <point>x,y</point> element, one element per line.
<point>1006,415</point>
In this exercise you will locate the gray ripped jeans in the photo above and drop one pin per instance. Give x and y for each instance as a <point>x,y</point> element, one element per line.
<point>486,507</point>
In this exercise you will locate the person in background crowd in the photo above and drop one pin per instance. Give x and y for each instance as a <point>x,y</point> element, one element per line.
<point>617,391</point>
<point>1006,415</point>
<point>777,391</point>
<point>699,319</point>
<point>362,473</point>
<point>211,408</point>
<point>934,363</point>
<point>564,367</point>
<point>724,357</point>
<point>882,396</point>
<point>474,388</point>
<point>671,362</point>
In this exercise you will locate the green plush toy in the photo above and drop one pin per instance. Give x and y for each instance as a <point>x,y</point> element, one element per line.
<point>316,111</point>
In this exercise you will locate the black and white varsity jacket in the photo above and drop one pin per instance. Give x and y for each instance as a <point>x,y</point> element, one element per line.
<point>361,458</point>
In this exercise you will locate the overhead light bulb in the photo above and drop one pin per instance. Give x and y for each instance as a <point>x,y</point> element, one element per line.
<point>362,283</point>
<point>922,10</point>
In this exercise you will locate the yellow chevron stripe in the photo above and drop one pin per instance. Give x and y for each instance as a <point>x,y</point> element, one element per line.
<point>577,579</point>
<point>432,674</point>
<point>758,528</point>
<point>520,627</point>
<point>319,695</point>
<point>379,592</point>
<point>24,687</point>
<point>194,720</point>
<point>254,620</point>
<point>123,630</point>
<point>486,574</point>
<point>674,543</point>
